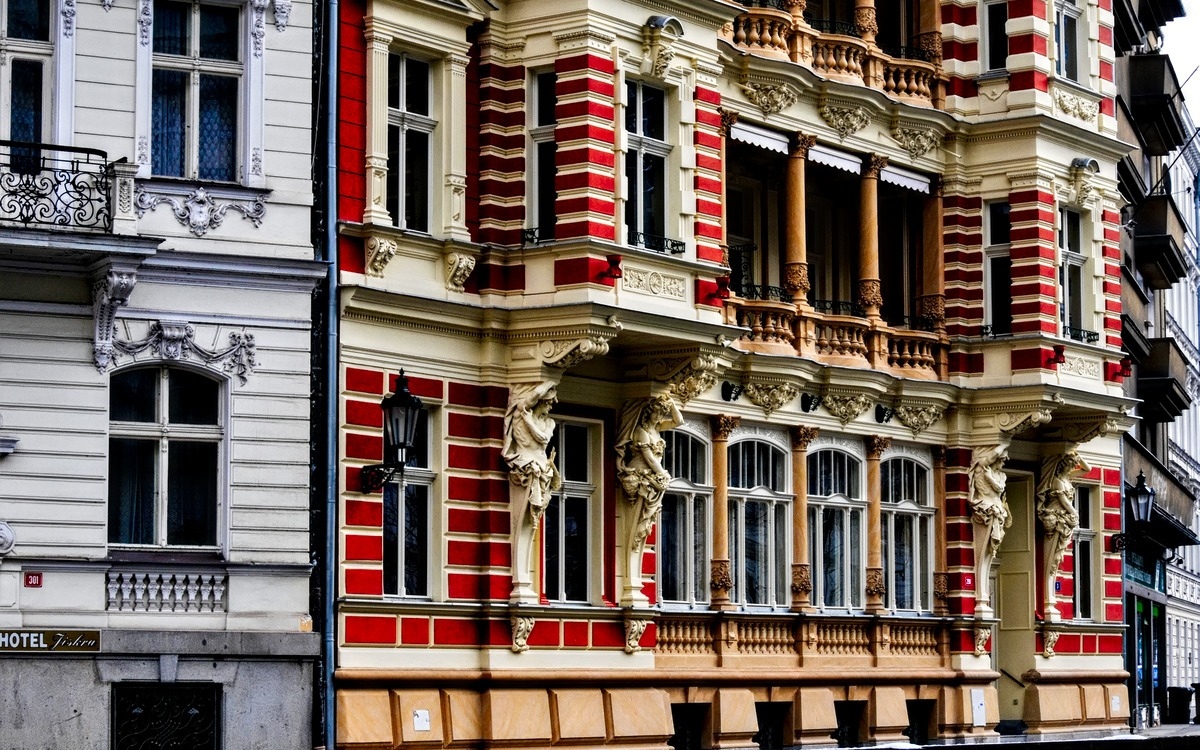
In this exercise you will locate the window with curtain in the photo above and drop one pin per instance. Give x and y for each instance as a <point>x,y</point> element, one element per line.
<point>759,523</point>
<point>836,516</point>
<point>683,521</point>
<point>196,90</point>
<point>25,75</point>
<point>407,522</point>
<point>410,135</point>
<point>165,448</point>
<point>907,534</point>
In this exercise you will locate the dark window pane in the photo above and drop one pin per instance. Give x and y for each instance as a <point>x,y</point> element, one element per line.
<point>700,549</point>
<point>169,117</point>
<point>172,27</point>
<point>133,396</point>
<point>1069,51</point>
<point>396,185</point>
<point>779,554</point>
<point>416,181</point>
<point>654,195</point>
<point>997,37</point>
<point>672,539</point>
<point>631,107</point>
<point>391,537</point>
<point>191,398</point>
<point>547,100</point>
<point>132,467</point>
<point>654,108</point>
<point>418,454</point>
<point>999,224</point>
<point>29,19</point>
<point>632,161</point>
<point>191,493</point>
<point>416,541</point>
<point>552,547</point>
<point>575,549</point>
<point>832,558</point>
<point>217,149</point>
<point>416,86</point>
<point>576,457</point>
<point>218,32</point>
<point>735,465</point>
<point>757,539</point>
<point>1000,294</point>
<point>25,123</point>
<point>395,64</point>
<point>547,195</point>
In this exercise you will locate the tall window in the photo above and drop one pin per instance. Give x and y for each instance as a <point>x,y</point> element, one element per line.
<point>410,129</point>
<point>994,20</point>
<point>196,90</point>
<point>646,165</point>
<point>164,457</point>
<point>836,528</point>
<point>566,525</point>
<point>907,538</point>
<point>999,268</point>
<point>25,78</point>
<point>683,521</point>
<point>544,195</point>
<point>1070,275</point>
<point>1084,555</point>
<point>1068,40</point>
<point>759,528</point>
<point>406,525</point>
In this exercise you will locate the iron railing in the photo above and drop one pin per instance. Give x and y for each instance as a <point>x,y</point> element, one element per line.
<point>656,243</point>
<point>990,332</point>
<point>829,26</point>
<point>49,185</point>
<point>537,235</point>
<point>1081,334</point>
<point>837,307</point>
<point>764,292</point>
<point>908,53</point>
<point>913,322</point>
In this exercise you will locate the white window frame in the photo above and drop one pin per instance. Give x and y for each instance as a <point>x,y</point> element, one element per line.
<point>773,498</point>
<point>638,145</point>
<point>423,476</point>
<point>846,505</point>
<point>164,432</point>
<point>691,491</point>
<point>540,134</point>
<point>401,120</point>
<point>58,74</point>
<point>922,512</point>
<point>589,491</point>
<point>993,251</point>
<point>1090,536</point>
<point>1072,261</point>
<point>250,167</point>
<point>986,37</point>
<point>1070,51</point>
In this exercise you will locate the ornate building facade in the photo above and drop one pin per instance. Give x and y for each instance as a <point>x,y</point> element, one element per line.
<point>773,369</point>
<point>155,304</point>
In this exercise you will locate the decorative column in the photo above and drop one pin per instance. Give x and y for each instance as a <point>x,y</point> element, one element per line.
<point>729,118</point>
<point>378,44</point>
<point>795,271</point>
<point>802,437</point>
<point>876,588</point>
<point>933,300</point>
<point>864,20</point>
<point>454,156</point>
<point>721,576</point>
<point>941,579</point>
<point>869,296</point>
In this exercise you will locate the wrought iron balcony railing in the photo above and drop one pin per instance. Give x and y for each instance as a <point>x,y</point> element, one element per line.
<point>993,332</point>
<point>764,292</point>
<point>829,26</point>
<point>1081,334</point>
<point>537,235</point>
<point>656,243</point>
<point>908,53</point>
<point>58,186</point>
<point>837,307</point>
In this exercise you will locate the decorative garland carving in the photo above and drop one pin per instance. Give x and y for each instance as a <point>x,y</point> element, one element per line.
<point>68,14</point>
<point>175,340</point>
<point>1076,106</point>
<point>720,578</point>
<point>771,397</point>
<point>801,579</point>
<point>634,629</point>
<point>1079,366</point>
<point>145,22</point>
<point>919,418</point>
<point>723,425</point>
<point>917,141</point>
<point>379,250</point>
<point>802,436</point>
<point>875,584</point>
<point>846,408</point>
<point>770,98</point>
<point>108,293</point>
<point>458,267</point>
<point>521,628</point>
<point>844,120</point>
<point>199,211</point>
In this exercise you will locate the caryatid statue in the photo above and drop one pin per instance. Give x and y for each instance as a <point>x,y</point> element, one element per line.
<point>1056,511</point>
<point>990,518</point>
<point>640,450</point>
<point>533,474</point>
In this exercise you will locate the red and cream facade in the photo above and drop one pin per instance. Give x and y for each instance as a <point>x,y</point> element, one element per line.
<point>864,266</point>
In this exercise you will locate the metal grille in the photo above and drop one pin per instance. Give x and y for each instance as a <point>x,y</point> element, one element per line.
<point>155,716</point>
<point>45,184</point>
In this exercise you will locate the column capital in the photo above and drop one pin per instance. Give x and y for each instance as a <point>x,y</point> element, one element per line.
<point>802,436</point>
<point>377,40</point>
<point>723,425</point>
<point>728,119</point>
<point>873,165</point>
<point>876,445</point>
<point>801,143</point>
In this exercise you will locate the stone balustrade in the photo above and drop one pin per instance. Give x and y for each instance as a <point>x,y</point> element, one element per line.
<point>166,591</point>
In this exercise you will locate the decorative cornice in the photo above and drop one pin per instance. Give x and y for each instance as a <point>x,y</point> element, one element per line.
<point>919,418</point>
<point>771,397</point>
<point>379,250</point>
<point>176,340</point>
<point>844,120</point>
<point>199,211</point>
<point>771,98</point>
<point>846,408</point>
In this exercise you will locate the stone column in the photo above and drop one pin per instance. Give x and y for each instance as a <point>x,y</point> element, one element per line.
<point>795,270</point>
<point>802,436</point>
<point>933,291</point>
<point>720,575</point>
<point>864,20</point>
<point>941,579</point>
<point>869,296</point>
<point>876,445</point>
<point>729,118</point>
<point>378,44</point>
<point>453,208</point>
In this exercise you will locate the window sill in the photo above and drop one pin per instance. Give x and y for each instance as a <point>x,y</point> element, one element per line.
<point>165,555</point>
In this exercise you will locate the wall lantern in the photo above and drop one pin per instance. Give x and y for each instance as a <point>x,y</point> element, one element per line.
<point>809,403</point>
<point>1141,501</point>
<point>1059,357</point>
<point>883,414</point>
<point>731,391</point>
<point>401,412</point>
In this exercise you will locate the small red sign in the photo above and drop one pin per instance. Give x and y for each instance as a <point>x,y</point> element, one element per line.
<point>968,582</point>
<point>33,580</point>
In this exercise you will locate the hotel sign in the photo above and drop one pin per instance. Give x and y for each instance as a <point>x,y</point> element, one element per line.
<point>49,641</point>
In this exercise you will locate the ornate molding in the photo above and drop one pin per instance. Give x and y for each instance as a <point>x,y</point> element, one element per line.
<point>844,120</point>
<point>634,629</point>
<point>458,267</point>
<point>8,538</point>
<point>1014,423</point>
<point>771,98</point>
<point>930,42</point>
<point>729,118</point>
<point>653,282</point>
<point>720,578</point>
<point>870,293</point>
<point>697,376</point>
<point>802,436</point>
<point>109,292</point>
<point>801,144</point>
<point>982,636</point>
<point>873,166</point>
<point>801,579</point>
<point>723,426</point>
<point>846,408</point>
<point>199,211</point>
<point>919,418</point>
<point>176,340</point>
<point>875,584</point>
<point>521,628</point>
<point>876,445</point>
<point>941,585</point>
<point>916,141</point>
<point>771,397</point>
<point>1049,641</point>
<point>864,21</point>
<point>1076,106</point>
<point>1080,366</point>
<point>283,12</point>
<point>68,14</point>
<point>795,279</point>
<point>565,354</point>
<point>379,251</point>
<point>145,22</point>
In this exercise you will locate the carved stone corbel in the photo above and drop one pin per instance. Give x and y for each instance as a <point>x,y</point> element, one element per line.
<point>109,292</point>
<point>458,267</point>
<point>846,408</point>
<point>635,628</point>
<point>771,98</point>
<point>563,354</point>
<point>521,628</point>
<point>687,376</point>
<point>919,418</point>
<point>379,251</point>
<point>844,120</point>
<point>771,397</point>
<point>982,636</point>
<point>916,141</point>
<point>658,44</point>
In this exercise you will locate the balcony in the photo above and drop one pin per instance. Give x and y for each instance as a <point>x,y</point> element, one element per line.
<point>1158,241</point>
<point>1155,103</point>
<point>1162,382</point>
<point>55,187</point>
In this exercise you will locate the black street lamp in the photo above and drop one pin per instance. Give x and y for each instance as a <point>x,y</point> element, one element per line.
<point>1141,500</point>
<point>401,412</point>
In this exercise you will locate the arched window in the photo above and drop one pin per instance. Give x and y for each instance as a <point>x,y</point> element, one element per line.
<point>165,452</point>
<point>683,521</point>
<point>836,528</point>
<point>907,518</point>
<point>759,523</point>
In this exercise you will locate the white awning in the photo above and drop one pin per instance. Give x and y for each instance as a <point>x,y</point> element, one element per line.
<point>831,157</point>
<point>771,140</point>
<point>905,178</point>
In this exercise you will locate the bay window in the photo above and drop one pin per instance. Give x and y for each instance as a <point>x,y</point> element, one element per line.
<point>836,528</point>
<point>759,523</point>
<point>683,521</point>
<point>907,518</point>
